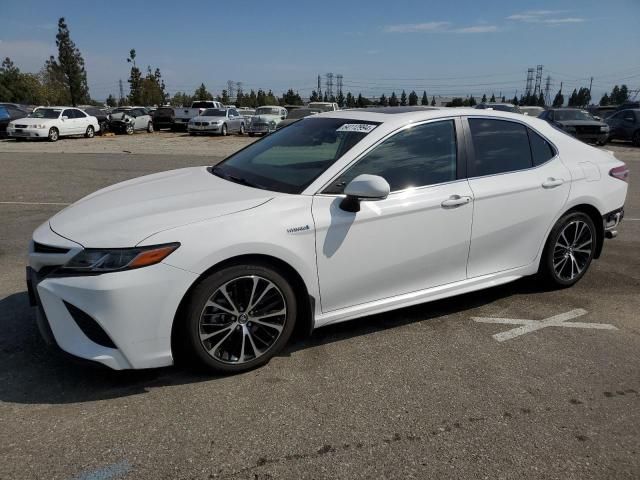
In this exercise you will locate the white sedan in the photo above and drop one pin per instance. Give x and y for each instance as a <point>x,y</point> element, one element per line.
<point>338,216</point>
<point>53,123</point>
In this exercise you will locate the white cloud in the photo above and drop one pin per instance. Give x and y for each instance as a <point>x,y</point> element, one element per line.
<point>544,16</point>
<point>438,27</point>
<point>417,27</point>
<point>476,29</point>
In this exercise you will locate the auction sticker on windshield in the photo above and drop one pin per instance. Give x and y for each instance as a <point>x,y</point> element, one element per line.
<point>356,127</point>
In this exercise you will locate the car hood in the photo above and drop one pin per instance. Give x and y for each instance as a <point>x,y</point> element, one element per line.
<point>266,118</point>
<point>126,213</point>
<point>581,123</point>
<point>34,121</point>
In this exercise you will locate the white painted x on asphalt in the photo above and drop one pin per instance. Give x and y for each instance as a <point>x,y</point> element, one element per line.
<point>533,325</point>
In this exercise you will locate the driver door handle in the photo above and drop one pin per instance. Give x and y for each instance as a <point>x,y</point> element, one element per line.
<point>552,182</point>
<point>455,201</point>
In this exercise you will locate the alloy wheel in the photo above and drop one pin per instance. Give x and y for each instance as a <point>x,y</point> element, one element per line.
<point>242,320</point>
<point>572,250</point>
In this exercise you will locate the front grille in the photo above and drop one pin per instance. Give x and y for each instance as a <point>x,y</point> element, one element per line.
<point>259,125</point>
<point>40,248</point>
<point>587,129</point>
<point>21,126</point>
<point>89,326</point>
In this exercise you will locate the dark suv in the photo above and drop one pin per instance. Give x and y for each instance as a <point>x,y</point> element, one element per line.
<point>625,125</point>
<point>163,117</point>
<point>578,123</point>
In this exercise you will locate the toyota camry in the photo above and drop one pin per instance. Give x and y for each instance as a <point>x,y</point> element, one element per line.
<point>337,216</point>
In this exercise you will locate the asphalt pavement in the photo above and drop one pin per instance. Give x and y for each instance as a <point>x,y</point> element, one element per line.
<point>422,392</point>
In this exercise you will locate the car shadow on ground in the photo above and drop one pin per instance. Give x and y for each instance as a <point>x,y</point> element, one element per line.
<point>32,373</point>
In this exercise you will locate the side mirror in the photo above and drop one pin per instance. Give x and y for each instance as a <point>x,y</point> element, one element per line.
<point>65,118</point>
<point>364,188</point>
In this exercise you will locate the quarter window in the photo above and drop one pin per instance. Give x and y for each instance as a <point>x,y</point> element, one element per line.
<point>500,146</point>
<point>541,151</point>
<point>415,157</point>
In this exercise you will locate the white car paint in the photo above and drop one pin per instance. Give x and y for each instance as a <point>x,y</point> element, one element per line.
<point>400,251</point>
<point>68,121</point>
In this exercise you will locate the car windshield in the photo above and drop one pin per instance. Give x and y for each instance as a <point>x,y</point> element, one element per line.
<point>247,112</point>
<point>45,113</point>
<point>301,113</point>
<point>214,112</point>
<point>201,104</point>
<point>267,111</point>
<point>290,159</point>
<point>4,113</point>
<point>563,115</point>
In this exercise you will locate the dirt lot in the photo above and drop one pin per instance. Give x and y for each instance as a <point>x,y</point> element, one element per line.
<point>422,392</point>
<point>162,142</point>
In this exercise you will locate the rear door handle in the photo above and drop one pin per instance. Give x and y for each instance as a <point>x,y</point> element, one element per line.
<point>552,182</point>
<point>455,201</point>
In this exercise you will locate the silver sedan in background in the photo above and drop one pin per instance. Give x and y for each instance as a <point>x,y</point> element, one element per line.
<point>217,120</point>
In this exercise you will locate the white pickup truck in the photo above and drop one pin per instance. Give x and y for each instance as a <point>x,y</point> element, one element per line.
<point>183,115</point>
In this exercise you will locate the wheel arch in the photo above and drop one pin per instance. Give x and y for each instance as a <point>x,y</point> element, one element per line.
<point>596,217</point>
<point>306,301</point>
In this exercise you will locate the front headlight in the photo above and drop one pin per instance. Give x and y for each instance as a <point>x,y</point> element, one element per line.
<point>604,128</point>
<point>98,260</point>
<point>39,126</point>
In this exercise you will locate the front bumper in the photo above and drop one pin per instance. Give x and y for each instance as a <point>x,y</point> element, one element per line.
<point>591,137</point>
<point>27,132</point>
<point>204,128</point>
<point>122,319</point>
<point>261,129</point>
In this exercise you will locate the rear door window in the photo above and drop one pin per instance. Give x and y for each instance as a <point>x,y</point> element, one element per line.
<point>541,150</point>
<point>500,146</point>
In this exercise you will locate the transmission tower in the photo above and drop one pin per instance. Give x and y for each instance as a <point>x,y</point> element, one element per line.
<point>238,89</point>
<point>121,91</point>
<point>529,86</point>
<point>547,86</point>
<point>339,83</point>
<point>320,86</point>
<point>230,89</point>
<point>537,89</point>
<point>329,85</point>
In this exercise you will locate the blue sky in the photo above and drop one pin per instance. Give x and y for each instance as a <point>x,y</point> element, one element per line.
<point>453,47</point>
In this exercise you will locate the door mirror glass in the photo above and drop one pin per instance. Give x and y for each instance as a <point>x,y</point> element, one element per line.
<point>364,187</point>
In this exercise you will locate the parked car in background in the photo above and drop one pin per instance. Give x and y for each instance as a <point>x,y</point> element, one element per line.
<point>53,123</point>
<point>266,119</point>
<point>578,123</point>
<point>625,125</point>
<point>183,115</point>
<point>324,106</point>
<point>163,117</point>
<point>100,114</point>
<point>129,119</point>
<point>220,263</point>
<point>499,107</point>
<point>296,115</point>
<point>531,111</point>
<point>247,113</point>
<point>217,120</point>
<point>9,112</point>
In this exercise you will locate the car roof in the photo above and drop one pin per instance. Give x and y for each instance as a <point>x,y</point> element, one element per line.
<point>387,114</point>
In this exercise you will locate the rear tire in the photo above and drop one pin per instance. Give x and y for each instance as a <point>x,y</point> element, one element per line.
<point>90,132</point>
<point>238,318</point>
<point>150,127</point>
<point>241,131</point>
<point>569,250</point>
<point>251,134</point>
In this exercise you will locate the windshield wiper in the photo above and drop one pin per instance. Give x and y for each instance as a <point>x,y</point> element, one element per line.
<point>242,181</point>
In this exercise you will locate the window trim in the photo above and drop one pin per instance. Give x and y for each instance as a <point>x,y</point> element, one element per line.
<point>471,153</point>
<point>461,164</point>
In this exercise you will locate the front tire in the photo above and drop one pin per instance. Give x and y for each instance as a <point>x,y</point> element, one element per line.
<point>223,130</point>
<point>239,317</point>
<point>241,131</point>
<point>569,250</point>
<point>90,132</point>
<point>54,134</point>
<point>129,129</point>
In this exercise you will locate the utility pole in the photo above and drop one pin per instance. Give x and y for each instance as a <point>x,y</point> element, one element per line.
<point>121,100</point>
<point>537,89</point>
<point>319,86</point>
<point>590,85</point>
<point>339,86</point>
<point>529,86</point>
<point>230,89</point>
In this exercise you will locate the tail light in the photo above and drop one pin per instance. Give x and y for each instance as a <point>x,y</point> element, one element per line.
<point>621,173</point>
